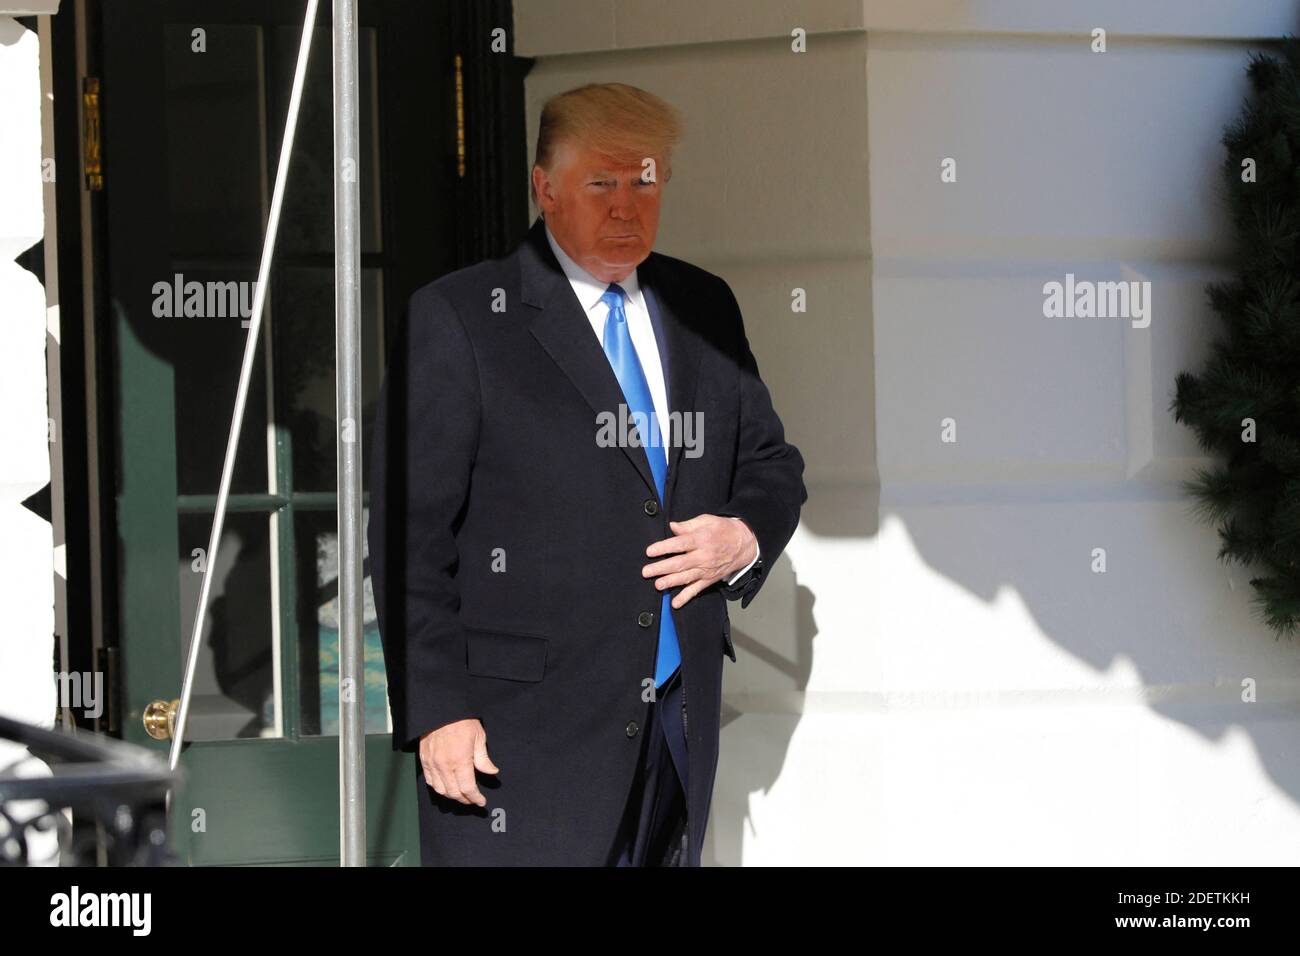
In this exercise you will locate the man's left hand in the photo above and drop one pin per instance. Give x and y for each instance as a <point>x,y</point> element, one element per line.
<point>706,549</point>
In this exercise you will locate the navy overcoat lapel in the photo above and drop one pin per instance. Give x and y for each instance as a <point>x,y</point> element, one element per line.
<point>561,327</point>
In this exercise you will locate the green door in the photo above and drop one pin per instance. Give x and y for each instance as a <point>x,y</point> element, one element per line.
<point>194,98</point>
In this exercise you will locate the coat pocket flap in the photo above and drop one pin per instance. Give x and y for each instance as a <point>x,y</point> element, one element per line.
<point>726,638</point>
<point>505,654</point>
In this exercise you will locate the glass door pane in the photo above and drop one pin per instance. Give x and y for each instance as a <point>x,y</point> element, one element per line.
<point>307,225</point>
<point>304,368</point>
<point>216,181</point>
<point>217,196</point>
<point>237,675</point>
<point>316,534</point>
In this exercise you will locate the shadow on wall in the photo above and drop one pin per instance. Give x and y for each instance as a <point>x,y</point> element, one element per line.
<point>1166,625</point>
<point>762,766</point>
<point>1166,622</point>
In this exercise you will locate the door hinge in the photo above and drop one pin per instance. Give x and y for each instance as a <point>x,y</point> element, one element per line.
<point>109,661</point>
<point>92,160</point>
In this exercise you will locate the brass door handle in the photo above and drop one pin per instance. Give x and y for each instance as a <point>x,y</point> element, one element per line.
<point>160,718</point>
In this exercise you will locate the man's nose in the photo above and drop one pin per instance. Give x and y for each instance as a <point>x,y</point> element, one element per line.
<point>623,205</point>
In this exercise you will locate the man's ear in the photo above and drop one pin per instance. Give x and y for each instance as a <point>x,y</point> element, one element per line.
<point>538,178</point>
<point>536,191</point>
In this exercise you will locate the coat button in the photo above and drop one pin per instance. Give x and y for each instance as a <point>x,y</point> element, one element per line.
<point>632,728</point>
<point>651,507</point>
<point>645,618</point>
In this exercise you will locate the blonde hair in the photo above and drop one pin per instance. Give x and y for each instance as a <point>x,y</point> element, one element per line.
<point>622,121</point>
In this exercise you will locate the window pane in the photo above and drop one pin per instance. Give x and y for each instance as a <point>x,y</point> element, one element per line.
<point>307,224</point>
<point>207,352</point>
<point>234,691</point>
<point>214,140</point>
<point>318,633</point>
<point>304,369</point>
<point>216,194</point>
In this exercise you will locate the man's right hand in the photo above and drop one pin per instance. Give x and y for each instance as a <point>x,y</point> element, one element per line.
<point>451,754</point>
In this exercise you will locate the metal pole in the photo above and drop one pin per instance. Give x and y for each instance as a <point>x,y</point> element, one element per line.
<point>245,374</point>
<point>347,351</point>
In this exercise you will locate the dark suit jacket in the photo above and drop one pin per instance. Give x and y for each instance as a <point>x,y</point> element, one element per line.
<point>506,544</point>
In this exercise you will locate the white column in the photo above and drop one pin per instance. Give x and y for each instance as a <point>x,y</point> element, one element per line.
<point>27,638</point>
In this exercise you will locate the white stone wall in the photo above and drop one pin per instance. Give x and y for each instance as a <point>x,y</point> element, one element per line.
<point>26,546</point>
<point>935,674</point>
<point>27,685</point>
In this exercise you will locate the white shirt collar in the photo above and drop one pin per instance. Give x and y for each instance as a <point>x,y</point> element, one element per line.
<point>588,288</point>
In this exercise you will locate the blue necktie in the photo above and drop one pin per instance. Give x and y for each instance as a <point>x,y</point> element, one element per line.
<point>636,392</point>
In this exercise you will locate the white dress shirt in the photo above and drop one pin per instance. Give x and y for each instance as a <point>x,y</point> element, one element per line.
<point>589,290</point>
